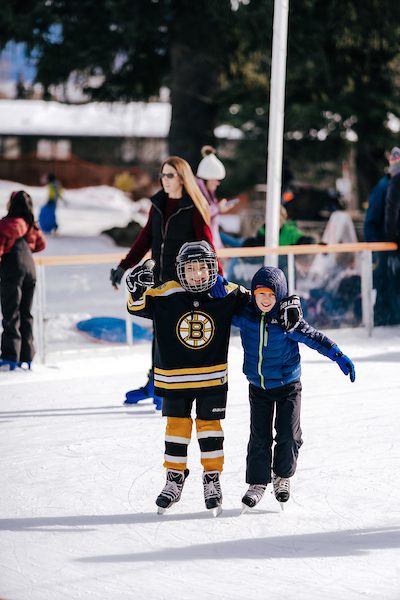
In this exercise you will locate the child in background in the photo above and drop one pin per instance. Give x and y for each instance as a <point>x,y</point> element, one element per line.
<point>192,321</point>
<point>20,235</point>
<point>272,367</point>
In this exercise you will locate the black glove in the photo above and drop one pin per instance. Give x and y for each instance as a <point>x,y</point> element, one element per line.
<point>116,276</point>
<point>290,312</point>
<point>141,278</point>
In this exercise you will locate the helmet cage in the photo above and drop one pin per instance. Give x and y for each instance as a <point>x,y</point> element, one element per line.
<point>204,267</point>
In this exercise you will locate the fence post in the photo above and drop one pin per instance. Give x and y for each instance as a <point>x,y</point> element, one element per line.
<point>39,320</point>
<point>291,274</point>
<point>128,319</point>
<point>366,291</point>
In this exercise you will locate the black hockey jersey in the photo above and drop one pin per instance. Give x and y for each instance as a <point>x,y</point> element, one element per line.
<point>192,337</point>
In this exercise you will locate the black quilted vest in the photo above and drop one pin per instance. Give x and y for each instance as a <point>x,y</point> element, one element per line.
<point>168,237</point>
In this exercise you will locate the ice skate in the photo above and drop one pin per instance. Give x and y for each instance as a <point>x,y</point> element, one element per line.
<point>281,489</point>
<point>212,492</point>
<point>8,365</point>
<point>253,496</point>
<point>172,490</point>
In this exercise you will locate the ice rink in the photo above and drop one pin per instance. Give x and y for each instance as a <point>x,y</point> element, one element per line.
<point>80,473</point>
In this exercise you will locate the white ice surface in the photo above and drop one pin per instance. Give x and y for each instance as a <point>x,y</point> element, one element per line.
<point>80,473</point>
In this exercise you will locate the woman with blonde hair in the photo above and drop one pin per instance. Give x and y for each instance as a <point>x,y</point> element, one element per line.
<point>179,213</point>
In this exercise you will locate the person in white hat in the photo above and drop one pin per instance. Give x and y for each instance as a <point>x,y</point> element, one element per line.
<point>210,173</point>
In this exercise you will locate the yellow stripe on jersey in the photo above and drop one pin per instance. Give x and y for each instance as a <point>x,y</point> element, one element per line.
<point>171,287</point>
<point>134,305</point>
<point>166,289</point>
<point>191,371</point>
<point>231,287</point>
<point>189,384</point>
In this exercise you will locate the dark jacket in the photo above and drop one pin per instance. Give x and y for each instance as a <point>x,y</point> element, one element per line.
<point>271,355</point>
<point>392,210</point>
<point>374,224</point>
<point>168,236</point>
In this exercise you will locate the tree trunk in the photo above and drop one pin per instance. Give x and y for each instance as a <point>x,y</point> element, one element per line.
<point>193,85</point>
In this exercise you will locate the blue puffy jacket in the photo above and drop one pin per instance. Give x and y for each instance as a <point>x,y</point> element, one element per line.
<point>271,355</point>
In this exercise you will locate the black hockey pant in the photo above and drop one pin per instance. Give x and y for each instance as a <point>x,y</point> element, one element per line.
<point>285,403</point>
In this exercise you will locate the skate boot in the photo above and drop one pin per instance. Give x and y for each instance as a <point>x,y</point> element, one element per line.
<point>212,492</point>
<point>172,490</point>
<point>9,365</point>
<point>253,496</point>
<point>142,393</point>
<point>25,365</point>
<point>281,489</point>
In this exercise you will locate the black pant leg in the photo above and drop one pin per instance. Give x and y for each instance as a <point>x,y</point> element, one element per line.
<point>26,325</point>
<point>11,294</point>
<point>259,449</point>
<point>288,431</point>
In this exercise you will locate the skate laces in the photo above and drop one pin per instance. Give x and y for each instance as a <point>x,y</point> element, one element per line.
<point>212,488</point>
<point>281,484</point>
<point>256,491</point>
<point>173,489</point>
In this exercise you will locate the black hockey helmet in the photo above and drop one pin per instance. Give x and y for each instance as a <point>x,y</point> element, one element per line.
<point>201,271</point>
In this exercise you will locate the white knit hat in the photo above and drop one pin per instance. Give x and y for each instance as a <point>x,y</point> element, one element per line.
<point>394,161</point>
<point>210,167</point>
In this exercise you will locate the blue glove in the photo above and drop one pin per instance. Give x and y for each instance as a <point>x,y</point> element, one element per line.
<point>218,290</point>
<point>344,362</point>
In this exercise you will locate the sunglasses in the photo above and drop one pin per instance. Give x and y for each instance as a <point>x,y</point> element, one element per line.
<point>167,175</point>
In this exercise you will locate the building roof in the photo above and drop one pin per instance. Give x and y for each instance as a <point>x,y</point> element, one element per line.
<point>95,119</point>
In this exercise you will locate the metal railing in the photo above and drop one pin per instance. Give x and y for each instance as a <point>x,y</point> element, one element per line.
<point>363,249</point>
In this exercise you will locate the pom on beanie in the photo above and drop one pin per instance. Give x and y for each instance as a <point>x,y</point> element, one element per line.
<point>394,161</point>
<point>210,167</point>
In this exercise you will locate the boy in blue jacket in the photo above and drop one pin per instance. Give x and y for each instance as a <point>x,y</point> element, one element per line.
<point>272,366</point>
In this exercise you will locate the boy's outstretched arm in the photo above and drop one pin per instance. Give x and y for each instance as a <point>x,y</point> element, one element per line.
<point>316,340</point>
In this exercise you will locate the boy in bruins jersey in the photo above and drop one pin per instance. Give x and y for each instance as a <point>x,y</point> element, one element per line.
<point>192,321</point>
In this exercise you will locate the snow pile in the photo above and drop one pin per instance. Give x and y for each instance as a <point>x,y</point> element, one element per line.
<point>86,211</point>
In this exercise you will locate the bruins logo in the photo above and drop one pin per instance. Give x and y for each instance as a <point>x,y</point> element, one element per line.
<point>195,330</point>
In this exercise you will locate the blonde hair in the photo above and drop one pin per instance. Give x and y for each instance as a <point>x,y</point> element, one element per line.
<point>184,171</point>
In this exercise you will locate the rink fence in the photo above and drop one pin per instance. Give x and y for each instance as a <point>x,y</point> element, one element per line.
<point>363,249</point>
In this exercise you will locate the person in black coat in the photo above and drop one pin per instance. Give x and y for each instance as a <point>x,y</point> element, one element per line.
<point>392,231</point>
<point>20,235</point>
<point>179,213</point>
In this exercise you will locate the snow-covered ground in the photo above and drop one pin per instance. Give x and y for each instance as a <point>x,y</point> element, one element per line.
<point>80,473</point>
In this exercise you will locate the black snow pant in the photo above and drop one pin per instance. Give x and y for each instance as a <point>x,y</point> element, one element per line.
<point>17,286</point>
<point>285,402</point>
